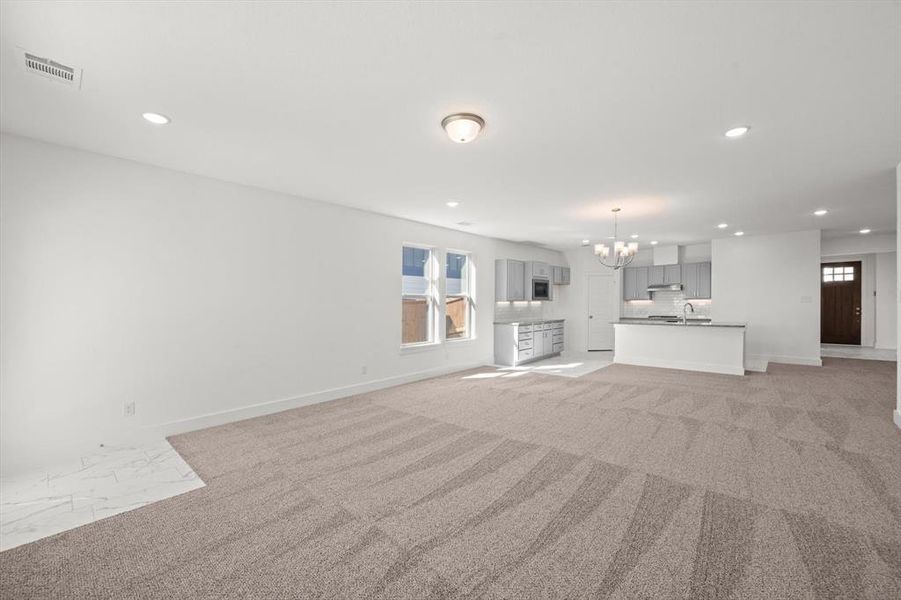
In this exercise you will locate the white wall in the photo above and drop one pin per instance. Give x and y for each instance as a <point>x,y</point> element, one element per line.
<point>897,412</point>
<point>858,244</point>
<point>199,300</point>
<point>772,283</point>
<point>886,301</point>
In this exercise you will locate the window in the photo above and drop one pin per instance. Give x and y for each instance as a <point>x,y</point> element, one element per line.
<point>418,296</point>
<point>458,301</point>
<point>832,274</point>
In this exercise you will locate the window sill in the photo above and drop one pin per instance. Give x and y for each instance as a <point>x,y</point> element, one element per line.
<point>461,340</point>
<point>423,347</point>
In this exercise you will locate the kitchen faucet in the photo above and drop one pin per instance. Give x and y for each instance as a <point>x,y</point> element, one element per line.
<point>685,313</point>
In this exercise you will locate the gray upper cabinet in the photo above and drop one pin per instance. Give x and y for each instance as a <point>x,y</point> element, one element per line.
<point>655,275</point>
<point>704,286</point>
<point>696,280</point>
<point>561,275</point>
<point>635,283</point>
<point>672,274</point>
<point>509,280</point>
<point>641,284</point>
<point>629,285</point>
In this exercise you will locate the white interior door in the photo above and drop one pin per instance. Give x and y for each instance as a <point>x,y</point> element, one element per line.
<point>601,311</point>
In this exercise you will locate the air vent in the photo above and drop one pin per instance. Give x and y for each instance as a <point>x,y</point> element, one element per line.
<point>50,69</point>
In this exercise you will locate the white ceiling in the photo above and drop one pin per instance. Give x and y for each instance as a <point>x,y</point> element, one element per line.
<point>588,106</point>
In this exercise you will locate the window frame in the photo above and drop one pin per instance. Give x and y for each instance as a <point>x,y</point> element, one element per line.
<point>430,294</point>
<point>469,275</point>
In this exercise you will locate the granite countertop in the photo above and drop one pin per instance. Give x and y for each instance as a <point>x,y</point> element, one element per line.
<point>529,322</point>
<point>690,323</point>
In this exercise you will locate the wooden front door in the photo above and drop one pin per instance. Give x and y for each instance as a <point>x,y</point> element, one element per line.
<point>840,303</point>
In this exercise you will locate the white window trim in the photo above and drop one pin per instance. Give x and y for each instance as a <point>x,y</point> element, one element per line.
<point>432,293</point>
<point>470,293</point>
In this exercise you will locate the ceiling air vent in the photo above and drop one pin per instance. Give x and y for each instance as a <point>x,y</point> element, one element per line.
<point>51,69</point>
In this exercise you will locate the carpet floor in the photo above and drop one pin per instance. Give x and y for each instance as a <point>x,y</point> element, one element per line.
<point>628,482</point>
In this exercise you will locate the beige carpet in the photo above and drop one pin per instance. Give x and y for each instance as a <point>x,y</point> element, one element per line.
<point>626,483</point>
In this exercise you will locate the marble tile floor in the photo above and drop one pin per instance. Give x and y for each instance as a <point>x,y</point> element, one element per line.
<point>109,481</point>
<point>862,352</point>
<point>567,364</point>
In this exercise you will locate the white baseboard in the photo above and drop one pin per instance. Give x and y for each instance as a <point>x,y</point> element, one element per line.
<point>760,362</point>
<point>756,363</point>
<point>681,365</point>
<point>273,406</point>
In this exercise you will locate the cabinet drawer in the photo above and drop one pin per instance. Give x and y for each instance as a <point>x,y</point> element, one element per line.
<point>558,347</point>
<point>557,325</point>
<point>558,338</point>
<point>524,354</point>
<point>524,329</point>
<point>526,336</point>
<point>525,344</point>
<point>545,326</point>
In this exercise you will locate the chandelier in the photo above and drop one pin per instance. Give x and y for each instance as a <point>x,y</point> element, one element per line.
<point>623,253</point>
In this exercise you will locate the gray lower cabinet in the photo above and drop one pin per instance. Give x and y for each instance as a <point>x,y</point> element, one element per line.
<point>518,343</point>
<point>635,283</point>
<point>696,280</point>
<point>509,280</point>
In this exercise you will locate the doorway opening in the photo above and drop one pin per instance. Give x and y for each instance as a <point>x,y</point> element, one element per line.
<point>840,301</point>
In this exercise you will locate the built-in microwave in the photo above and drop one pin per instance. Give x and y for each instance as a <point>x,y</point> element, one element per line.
<point>541,288</point>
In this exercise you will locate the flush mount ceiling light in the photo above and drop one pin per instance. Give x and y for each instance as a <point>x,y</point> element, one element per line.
<point>463,127</point>
<point>820,212</point>
<point>586,242</point>
<point>739,233</point>
<point>722,225</point>
<point>623,253</point>
<point>453,204</point>
<point>865,231</point>
<point>653,242</point>
<point>156,118</point>
<point>737,132</point>
<point>634,236</point>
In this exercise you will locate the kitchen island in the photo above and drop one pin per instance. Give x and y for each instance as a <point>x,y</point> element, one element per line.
<point>709,346</point>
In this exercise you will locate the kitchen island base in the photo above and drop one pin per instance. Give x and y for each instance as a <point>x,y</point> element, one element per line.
<point>709,348</point>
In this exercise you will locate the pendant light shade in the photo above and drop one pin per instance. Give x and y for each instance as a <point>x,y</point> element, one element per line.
<point>623,253</point>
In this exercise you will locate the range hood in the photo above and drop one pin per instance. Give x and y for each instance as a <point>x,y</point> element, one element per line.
<point>664,287</point>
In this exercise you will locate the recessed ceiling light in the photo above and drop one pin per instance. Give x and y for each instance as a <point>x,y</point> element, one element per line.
<point>820,212</point>
<point>865,231</point>
<point>739,233</point>
<point>737,132</point>
<point>653,242</point>
<point>586,242</point>
<point>453,204</point>
<point>634,236</point>
<point>463,127</point>
<point>156,118</point>
<point>723,225</point>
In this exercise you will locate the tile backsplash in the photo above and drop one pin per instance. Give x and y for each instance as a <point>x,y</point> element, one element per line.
<point>664,302</point>
<point>518,311</point>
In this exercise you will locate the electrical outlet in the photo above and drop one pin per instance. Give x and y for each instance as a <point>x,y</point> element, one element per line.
<point>363,370</point>
<point>129,409</point>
